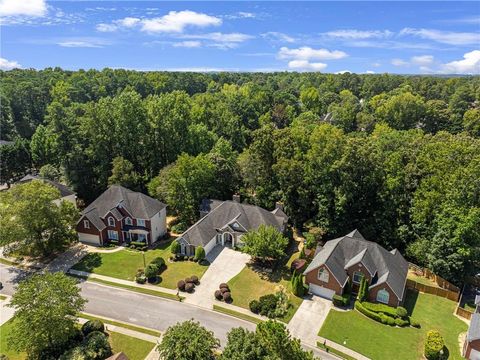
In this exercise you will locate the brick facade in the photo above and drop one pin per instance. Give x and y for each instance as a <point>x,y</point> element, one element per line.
<point>332,284</point>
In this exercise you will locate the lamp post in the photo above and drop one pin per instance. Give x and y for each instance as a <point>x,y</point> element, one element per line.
<point>144,264</point>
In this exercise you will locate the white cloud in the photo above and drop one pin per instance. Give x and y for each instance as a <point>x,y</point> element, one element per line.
<point>241,15</point>
<point>470,64</point>
<point>35,8</point>
<point>128,22</point>
<point>306,65</point>
<point>307,53</point>
<point>106,27</point>
<point>8,64</point>
<point>278,36</point>
<point>446,37</point>
<point>422,60</point>
<point>370,72</point>
<point>399,62</point>
<point>177,21</point>
<point>220,40</point>
<point>358,34</point>
<point>188,44</point>
<point>82,43</point>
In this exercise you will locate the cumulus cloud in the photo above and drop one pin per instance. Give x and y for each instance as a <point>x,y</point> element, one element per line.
<point>278,37</point>
<point>177,21</point>
<point>188,44</point>
<point>128,22</point>
<point>470,64</point>
<point>220,40</point>
<point>422,60</point>
<point>35,8</point>
<point>399,62</point>
<point>358,34</point>
<point>106,27</point>
<point>8,64</point>
<point>446,37</point>
<point>307,53</point>
<point>305,65</point>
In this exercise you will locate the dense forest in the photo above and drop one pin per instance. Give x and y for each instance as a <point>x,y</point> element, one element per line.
<point>397,157</point>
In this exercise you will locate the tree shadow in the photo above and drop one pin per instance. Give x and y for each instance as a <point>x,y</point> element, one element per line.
<point>89,262</point>
<point>411,301</point>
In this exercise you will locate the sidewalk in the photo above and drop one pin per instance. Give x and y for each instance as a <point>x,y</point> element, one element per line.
<point>66,260</point>
<point>6,313</point>
<point>239,310</point>
<point>342,348</point>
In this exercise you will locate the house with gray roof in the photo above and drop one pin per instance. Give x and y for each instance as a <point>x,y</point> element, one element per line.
<point>121,215</point>
<point>225,222</point>
<point>471,348</point>
<point>66,193</point>
<point>349,259</point>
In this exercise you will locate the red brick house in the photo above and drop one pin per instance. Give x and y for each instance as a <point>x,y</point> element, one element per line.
<point>122,215</point>
<point>351,257</point>
<point>471,348</point>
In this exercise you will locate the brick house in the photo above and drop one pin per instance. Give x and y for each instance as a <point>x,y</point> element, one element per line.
<point>351,257</point>
<point>122,215</point>
<point>471,348</point>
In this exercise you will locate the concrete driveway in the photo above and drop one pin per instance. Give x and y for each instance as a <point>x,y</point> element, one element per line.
<point>309,318</point>
<point>225,264</point>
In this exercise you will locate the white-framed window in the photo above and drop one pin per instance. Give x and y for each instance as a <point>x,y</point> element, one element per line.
<point>357,277</point>
<point>112,235</point>
<point>128,221</point>
<point>142,237</point>
<point>383,296</point>
<point>86,224</point>
<point>141,222</point>
<point>323,275</point>
<point>111,221</point>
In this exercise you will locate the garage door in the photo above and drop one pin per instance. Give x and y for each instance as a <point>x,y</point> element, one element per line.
<point>89,238</point>
<point>474,355</point>
<point>321,291</point>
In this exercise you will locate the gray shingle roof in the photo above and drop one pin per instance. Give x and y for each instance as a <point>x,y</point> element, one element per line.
<point>339,254</point>
<point>474,329</point>
<point>64,190</point>
<point>138,205</point>
<point>222,213</point>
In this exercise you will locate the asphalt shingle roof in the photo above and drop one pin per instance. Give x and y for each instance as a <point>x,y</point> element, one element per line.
<point>339,254</point>
<point>64,190</point>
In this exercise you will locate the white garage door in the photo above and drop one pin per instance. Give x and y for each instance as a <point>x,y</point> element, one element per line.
<point>474,355</point>
<point>89,238</point>
<point>321,291</point>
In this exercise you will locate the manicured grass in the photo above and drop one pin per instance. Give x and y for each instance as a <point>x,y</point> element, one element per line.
<point>421,279</point>
<point>135,349</point>
<point>121,324</point>
<point>249,285</point>
<point>5,329</point>
<point>334,351</point>
<point>132,288</point>
<point>124,265</point>
<point>236,314</point>
<point>379,341</point>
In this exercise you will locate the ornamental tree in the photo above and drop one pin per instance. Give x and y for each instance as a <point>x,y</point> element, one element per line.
<point>265,243</point>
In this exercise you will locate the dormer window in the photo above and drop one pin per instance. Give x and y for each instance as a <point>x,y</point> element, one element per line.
<point>323,275</point>
<point>141,222</point>
<point>235,225</point>
<point>128,221</point>
<point>86,224</point>
<point>111,221</point>
<point>357,277</point>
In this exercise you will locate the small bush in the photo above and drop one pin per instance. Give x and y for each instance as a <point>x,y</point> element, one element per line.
<point>341,300</point>
<point>390,320</point>
<point>189,287</point>
<point>401,322</point>
<point>414,323</point>
<point>91,326</point>
<point>434,345</point>
<point>174,247</point>
<point>132,246</point>
<point>199,253</point>
<point>140,277</point>
<point>401,312</point>
<point>380,308</point>
<point>195,279</point>
<point>138,243</point>
<point>224,290</point>
<point>190,258</point>
<point>97,343</point>
<point>223,285</point>
<point>268,305</point>
<point>159,262</point>
<point>151,271</point>
<point>227,297</point>
<point>218,295</point>
<point>181,285</point>
<point>189,280</point>
<point>254,306</point>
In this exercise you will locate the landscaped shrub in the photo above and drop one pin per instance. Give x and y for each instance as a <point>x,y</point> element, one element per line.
<point>254,306</point>
<point>414,323</point>
<point>298,288</point>
<point>140,277</point>
<point>268,304</point>
<point>96,344</point>
<point>366,312</point>
<point>181,285</point>
<point>92,325</point>
<point>160,262</point>
<point>174,247</point>
<point>434,344</point>
<point>390,320</point>
<point>223,285</point>
<point>218,295</point>
<point>401,322</point>
<point>363,290</point>
<point>401,312</point>
<point>137,243</point>
<point>380,308</point>
<point>189,287</point>
<point>341,300</point>
<point>227,297</point>
<point>189,280</point>
<point>195,279</point>
<point>151,272</point>
<point>199,253</point>
<point>224,290</point>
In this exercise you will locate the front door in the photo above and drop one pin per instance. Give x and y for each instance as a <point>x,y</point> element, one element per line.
<point>126,236</point>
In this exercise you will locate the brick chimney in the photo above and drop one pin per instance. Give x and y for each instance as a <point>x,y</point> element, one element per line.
<point>236,198</point>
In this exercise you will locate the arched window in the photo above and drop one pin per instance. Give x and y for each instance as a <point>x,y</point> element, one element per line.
<point>111,221</point>
<point>383,296</point>
<point>323,275</point>
<point>128,221</point>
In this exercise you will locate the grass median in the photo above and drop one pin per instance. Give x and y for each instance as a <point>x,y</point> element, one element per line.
<point>121,324</point>
<point>236,314</point>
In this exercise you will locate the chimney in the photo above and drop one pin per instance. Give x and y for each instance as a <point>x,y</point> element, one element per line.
<point>236,198</point>
<point>279,205</point>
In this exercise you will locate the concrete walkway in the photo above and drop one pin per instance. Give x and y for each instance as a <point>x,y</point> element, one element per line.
<point>343,349</point>
<point>66,260</point>
<point>309,318</point>
<point>96,249</point>
<point>6,313</point>
<point>225,266</point>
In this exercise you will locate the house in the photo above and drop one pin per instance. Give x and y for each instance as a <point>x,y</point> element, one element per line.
<point>225,222</point>
<point>351,257</point>
<point>65,192</point>
<point>471,348</point>
<point>122,215</point>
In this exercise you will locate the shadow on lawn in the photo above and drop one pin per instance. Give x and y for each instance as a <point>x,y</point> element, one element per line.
<point>411,301</point>
<point>89,262</point>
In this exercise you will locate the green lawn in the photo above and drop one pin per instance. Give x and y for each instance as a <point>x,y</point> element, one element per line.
<point>121,324</point>
<point>4,350</point>
<point>249,285</point>
<point>236,314</point>
<point>124,265</point>
<point>379,341</point>
<point>421,279</point>
<point>135,349</point>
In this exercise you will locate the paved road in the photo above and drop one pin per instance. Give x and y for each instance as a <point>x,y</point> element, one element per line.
<point>143,310</point>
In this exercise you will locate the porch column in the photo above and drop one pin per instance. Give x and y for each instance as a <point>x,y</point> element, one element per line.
<point>223,239</point>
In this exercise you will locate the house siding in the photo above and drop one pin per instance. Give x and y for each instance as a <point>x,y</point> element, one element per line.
<point>90,231</point>
<point>358,268</point>
<point>158,225</point>
<point>117,227</point>
<point>392,300</point>
<point>332,284</point>
<point>469,346</point>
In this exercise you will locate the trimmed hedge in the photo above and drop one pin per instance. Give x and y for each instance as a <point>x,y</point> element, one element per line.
<point>381,308</point>
<point>189,287</point>
<point>434,344</point>
<point>218,295</point>
<point>341,300</point>
<point>384,314</point>
<point>159,262</point>
<point>199,253</point>
<point>254,306</point>
<point>181,285</point>
<point>195,279</point>
<point>91,326</point>
<point>227,297</point>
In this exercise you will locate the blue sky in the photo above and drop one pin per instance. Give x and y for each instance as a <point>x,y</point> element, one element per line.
<point>362,37</point>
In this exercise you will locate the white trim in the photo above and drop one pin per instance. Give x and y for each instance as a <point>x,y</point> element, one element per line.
<point>111,232</point>
<point>86,224</point>
<point>108,221</point>
<point>143,221</point>
<point>128,221</point>
<point>383,292</point>
<point>324,272</point>
<point>353,277</point>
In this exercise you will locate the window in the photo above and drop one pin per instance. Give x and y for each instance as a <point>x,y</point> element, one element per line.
<point>142,237</point>
<point>141,222</point>
<point>86,224</point>
<point>112,235</point>
<point>111,221</point>
<point>357,277</point>
<point>128,221</point>
<point>383,296</point>
<point>323,275</point>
